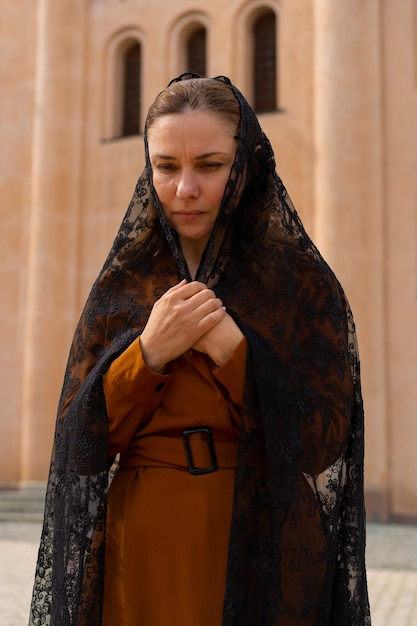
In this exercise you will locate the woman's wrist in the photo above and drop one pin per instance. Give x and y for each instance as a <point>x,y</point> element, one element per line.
<point>224,352</point>
<point>151,358</point>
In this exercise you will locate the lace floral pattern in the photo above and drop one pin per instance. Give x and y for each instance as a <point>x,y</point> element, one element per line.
<point>297,539</point>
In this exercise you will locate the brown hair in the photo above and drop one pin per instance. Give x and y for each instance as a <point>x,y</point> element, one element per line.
<point>201,94</point>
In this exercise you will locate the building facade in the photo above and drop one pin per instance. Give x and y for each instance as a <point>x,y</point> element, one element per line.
<point>335,88</point>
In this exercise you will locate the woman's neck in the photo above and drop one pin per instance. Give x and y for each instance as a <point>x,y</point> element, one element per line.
<point>192,251</point>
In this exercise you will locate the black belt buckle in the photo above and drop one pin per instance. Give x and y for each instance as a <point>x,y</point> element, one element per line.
<point>197,471</point>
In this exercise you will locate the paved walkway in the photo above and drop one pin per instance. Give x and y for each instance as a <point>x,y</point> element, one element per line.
<point>392,572</point>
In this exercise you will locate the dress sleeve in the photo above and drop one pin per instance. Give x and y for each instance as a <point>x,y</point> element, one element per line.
<point>132,392</point>
<point>232,373</point>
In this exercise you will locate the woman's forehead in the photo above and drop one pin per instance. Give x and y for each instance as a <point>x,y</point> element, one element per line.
<point>192,126</point>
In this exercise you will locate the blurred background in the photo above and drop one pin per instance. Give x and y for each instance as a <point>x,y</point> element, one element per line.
<point>334,84</point>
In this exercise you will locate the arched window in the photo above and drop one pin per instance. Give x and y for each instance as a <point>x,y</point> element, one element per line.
<point>131,91</point>
<point>264,62</point>
<point>196,52</point>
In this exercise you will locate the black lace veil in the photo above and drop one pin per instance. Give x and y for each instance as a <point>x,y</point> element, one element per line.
<point>297,539</point>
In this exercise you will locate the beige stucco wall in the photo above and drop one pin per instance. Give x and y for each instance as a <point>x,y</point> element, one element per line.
<point>345,141</point>
<point>349,208</point>
<point>16,114</point>
<point>400,245</point>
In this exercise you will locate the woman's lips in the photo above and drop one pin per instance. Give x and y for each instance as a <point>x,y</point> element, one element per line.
<point>188,214</point>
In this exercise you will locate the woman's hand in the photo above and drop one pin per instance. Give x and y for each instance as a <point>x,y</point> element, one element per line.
<point>177,321</point>
<point>221,341</point>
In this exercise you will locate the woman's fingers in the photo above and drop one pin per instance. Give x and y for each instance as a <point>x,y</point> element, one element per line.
<point>189,297</point>
<point>188,290</point>
<point>178,319</point>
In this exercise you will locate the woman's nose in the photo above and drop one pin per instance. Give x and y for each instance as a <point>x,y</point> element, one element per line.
<point>187,185</point>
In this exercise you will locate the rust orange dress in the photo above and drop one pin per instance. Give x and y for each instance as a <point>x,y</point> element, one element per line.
<point>167,529</point>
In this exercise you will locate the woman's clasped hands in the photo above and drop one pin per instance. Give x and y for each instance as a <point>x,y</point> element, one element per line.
<point>188,316</point>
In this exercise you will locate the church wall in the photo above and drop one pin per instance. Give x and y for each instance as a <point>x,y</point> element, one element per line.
<point>345,139</point>
<point>17,44</point>
<point>400,205</point>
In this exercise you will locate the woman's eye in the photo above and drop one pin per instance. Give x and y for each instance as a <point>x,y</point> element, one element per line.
<point>166,167</point>
<point>211,166</point>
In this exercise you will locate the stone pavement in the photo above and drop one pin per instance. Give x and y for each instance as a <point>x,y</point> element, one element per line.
<point>391,558</point>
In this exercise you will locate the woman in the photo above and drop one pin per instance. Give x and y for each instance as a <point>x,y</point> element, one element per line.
<point>216,360</point>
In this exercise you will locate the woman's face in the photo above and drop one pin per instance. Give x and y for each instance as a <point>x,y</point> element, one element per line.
<point>191,156</point>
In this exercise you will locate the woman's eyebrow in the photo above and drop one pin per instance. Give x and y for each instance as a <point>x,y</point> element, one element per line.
<point>207,155</point>
<point>162,156</point>
<point>200,157</point>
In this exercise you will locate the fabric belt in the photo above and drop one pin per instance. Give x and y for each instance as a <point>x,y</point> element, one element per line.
<point>195,451</point>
